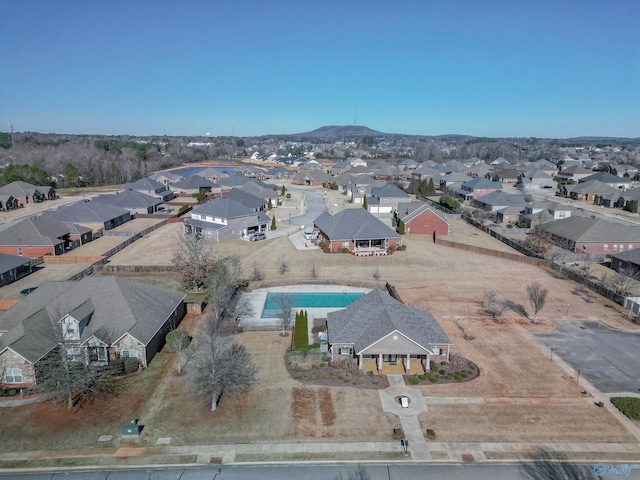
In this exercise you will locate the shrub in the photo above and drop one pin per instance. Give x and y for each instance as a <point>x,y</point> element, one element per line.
<point>183,208</point>
<point>509,226</point>
<point>414,381</point>
<point>402,248</point>
<point>345,250</point>
<point>630,406</point>
<point>131,365</point>
<point>423,377</point>
<point>432,366</point>
<point>599,404</point>
<point>374,382</point>
<point>313,365</point>
<point>321,364</point>
<point>12,392</point>
<point>441,372</point>
<point>288,195</point>
<point>443,363</point>
<point>431,433</point>
<point>370,373</point>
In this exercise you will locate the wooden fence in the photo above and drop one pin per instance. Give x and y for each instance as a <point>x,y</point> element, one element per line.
<point>494,253</point>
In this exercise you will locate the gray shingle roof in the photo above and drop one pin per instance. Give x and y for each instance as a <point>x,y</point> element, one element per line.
<point>500,198</point>
<point>116,305</point>
<point>245,198</point>
<point>353,224</point>
<point>587,229</point>
<point>86,211</point>
<point>9,262</point>
<point>129,199</point>
<point>39,231</point>
<point>389,191</point>
<point>193,182</point>
<point>376,315</point>
<point>146,183</point>
<point>223,207</point>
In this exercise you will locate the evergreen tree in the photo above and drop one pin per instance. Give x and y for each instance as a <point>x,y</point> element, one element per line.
<point>364,202</point>
<point>401,227</point>
<point>431,188</point>
<point>273,223</point>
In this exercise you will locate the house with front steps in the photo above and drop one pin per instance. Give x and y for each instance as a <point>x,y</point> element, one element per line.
<point>379,333</point>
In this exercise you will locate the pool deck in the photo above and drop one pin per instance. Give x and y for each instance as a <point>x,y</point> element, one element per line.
<point>257,298</point>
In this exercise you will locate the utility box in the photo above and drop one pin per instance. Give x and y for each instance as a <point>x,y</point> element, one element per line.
<point>131,429</point>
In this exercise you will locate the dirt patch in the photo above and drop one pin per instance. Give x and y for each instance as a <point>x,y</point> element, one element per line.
<point>327,412</point>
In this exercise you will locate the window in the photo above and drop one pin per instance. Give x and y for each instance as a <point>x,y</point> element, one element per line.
<point>437,351</point>
<point>129,353</point>
<point>630,246</point>
<point>345,244</point>
<point>615,247</point>
<point>605,247</point>
<point>19,251</point>
<point>13,375</point>
<point>345,351</point>
<point>74,354</point>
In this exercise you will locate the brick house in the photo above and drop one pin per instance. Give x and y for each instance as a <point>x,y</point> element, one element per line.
<point>96,320</point>
<point>357,231</point>
<point>377,332</point>
<point>420,219</point>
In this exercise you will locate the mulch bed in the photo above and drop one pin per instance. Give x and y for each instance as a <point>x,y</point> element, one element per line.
<point>458,370</point>
<point>314,372</point>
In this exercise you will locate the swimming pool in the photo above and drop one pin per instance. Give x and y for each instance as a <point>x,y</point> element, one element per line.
<point>308,300</point>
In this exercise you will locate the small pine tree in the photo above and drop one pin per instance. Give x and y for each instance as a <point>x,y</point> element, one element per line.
<point>270,205</point>
<point>364,202</point>
<point>273,223</point>
<point>283,190</point>
<point>431,188</point>
<point>401,227</point>
<point>596,199</point>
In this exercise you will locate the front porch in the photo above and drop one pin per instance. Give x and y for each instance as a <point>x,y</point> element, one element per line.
<point>389,364</point>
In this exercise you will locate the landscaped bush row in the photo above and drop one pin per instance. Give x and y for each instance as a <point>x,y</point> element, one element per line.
<point>436,374</point>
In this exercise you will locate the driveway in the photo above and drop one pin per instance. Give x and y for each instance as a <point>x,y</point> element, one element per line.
<point>315,206</point>
<point>605,357</point>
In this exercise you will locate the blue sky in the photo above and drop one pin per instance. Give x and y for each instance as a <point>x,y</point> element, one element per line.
<point>544,68</point>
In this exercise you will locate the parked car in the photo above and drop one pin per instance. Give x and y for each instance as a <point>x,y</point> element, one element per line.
<point>308,235</point>
<point>258,236</point>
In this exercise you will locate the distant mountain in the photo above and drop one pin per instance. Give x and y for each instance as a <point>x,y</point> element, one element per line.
<point>339,132</point>
<point>604,139</point>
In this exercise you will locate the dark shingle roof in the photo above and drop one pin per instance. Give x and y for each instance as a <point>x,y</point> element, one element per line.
<point>116,305</point>
<point>353,224</point>
<point>376,315</point>
<point>87,211</point>
<point>223,207</point>
<point>33,231</point>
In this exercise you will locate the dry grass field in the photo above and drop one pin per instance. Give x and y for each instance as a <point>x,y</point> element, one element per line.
<point>450,283</point>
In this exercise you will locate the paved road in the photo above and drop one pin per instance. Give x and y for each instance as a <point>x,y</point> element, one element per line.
<point>315,206</point>
<point>311,472</point>
<point>606,357</point>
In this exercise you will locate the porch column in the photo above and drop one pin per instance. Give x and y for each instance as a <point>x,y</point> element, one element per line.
<point>379,362</point>
<point>360,362</point>
<point>408,363</point>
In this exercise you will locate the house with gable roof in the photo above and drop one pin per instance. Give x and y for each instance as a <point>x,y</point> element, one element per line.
<point>95,320</point>
<point>132,200</point>
<point>194,185</point>
<point>24,193</point>
<point>385,199</point>
<point>377,332</point>
<point>420,219</point>
<point>149,186</point>
<point>593,235</point>
<point>223,219</point>
<point>476,187</point>
<point>34,237</point>
<point>357,231</point>
<point>95,215</point>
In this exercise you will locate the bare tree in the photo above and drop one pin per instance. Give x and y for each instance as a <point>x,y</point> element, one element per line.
<point>257,273</point>
<point>221,367</point>
<point>284,266</point>
<point>225,280</point>
<point>376,273</point>
<point>551,465</point>
<point>314,270</point>
<point>537,298</point>
<point>285,309</point>
<point>193,260</point>
<point>178,341</point>
<point>623,282</point>
<point>63,372</point>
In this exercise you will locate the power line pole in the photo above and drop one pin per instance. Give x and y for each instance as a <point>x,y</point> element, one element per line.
<point>11,131</point>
